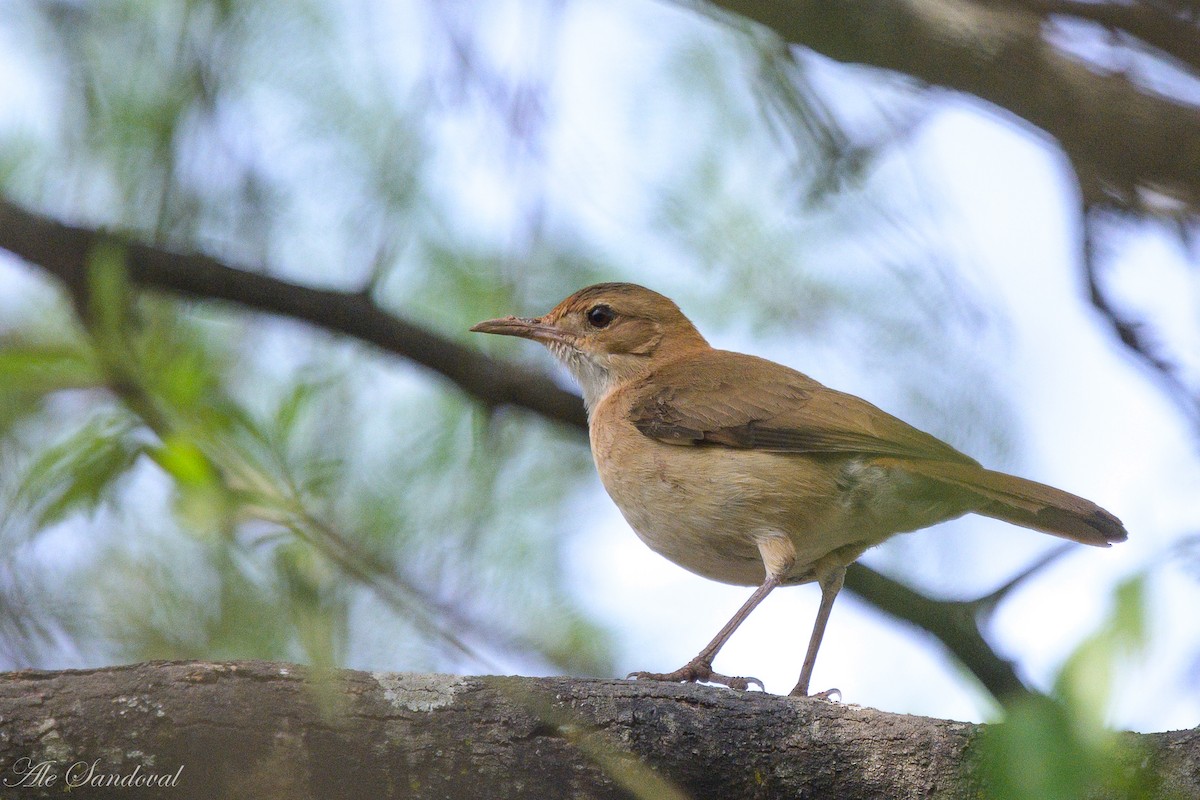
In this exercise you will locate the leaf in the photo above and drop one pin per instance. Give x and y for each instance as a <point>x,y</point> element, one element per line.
<point>43,368</point>
<point>1035,754</point>
<point>108,290</point>
<point>1086,679</point>
<point>1056,747</point>
<point>30,370</point>
<point>309,587</point>
<point>79,473</point>
<point>184,461</point>
<point>295,405</point>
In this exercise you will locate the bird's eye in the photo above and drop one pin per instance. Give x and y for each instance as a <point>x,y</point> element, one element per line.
<point>600,316</point>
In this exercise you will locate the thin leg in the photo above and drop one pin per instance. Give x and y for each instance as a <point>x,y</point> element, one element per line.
<point>831,584</point>
<point>700,667</point>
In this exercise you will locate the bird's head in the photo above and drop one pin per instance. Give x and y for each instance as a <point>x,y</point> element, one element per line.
<point>607,334</point>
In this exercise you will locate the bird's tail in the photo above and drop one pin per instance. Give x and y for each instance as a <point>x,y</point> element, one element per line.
<point>1026,503</point>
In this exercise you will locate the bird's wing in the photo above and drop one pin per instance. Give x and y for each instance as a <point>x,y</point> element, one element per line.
<point>741,401</point>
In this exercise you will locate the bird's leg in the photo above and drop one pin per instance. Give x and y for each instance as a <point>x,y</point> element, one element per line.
<point>700,667</point>
<point>831,583</point>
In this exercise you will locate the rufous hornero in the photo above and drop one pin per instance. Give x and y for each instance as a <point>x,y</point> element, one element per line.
<point>748,472</point>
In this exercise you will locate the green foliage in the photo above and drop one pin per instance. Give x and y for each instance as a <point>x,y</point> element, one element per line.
<point>108,294</point>
<point>310,587</point>
<point>42,368</point>
<point>185,462</point>
<point>1059,747</point>
<point>289,500</point>
<point>80,472</point>
<point>1087,679</point>
<point>33,367</point>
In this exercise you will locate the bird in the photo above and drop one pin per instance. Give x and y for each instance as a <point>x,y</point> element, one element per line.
<point>751,473</point>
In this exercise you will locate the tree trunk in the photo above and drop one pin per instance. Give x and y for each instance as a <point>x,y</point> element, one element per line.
<point>263,730</point>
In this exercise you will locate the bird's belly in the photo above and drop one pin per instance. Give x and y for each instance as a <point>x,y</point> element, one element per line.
<point>706,508</point>
<point>692,523</point>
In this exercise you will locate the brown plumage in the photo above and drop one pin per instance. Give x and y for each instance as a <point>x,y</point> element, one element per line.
<point>746,471</point>
<point>792,413</point>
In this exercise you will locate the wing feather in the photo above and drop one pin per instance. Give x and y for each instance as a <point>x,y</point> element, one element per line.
<point>703,400</point>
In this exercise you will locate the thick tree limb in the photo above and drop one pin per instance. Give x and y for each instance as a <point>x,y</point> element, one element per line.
<point>1121,138</point>
<point>258,729</point>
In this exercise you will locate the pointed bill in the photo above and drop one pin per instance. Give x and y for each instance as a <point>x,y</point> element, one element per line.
<point>526,328</point>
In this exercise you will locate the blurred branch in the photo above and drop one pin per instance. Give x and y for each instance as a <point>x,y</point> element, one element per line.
<point>957,624</point>
<point>66,252</point>
<point>63,250</point>
<point>1132,333</point>
<point>1129,139</point>
<point>954,623</point>
<point>1153,26</point>
<point>984,606</point>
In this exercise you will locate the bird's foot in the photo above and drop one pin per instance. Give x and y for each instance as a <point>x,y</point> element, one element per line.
<point>828,694</point>
<point>697,671</point>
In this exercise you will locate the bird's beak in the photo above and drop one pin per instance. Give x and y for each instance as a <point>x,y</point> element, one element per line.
<point>534,329</point>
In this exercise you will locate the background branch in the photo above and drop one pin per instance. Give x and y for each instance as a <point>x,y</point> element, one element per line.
<point>64,251</point>
<point>1128,138</point>
<point>953,623</point>
<point>1132,149</point>
<point>1135,335</point>
<point>1153,26</point>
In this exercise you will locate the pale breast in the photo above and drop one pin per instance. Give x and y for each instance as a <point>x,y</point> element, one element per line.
<point>706,507</point>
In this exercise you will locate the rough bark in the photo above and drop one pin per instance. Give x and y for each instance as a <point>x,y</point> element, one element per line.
<point>258,729</point>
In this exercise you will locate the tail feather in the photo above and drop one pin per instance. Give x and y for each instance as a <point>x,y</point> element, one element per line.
<point>1024,502</point>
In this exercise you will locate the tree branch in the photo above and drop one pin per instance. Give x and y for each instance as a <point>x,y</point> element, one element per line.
<point>1151,25</point>
<point>954,624</point>
<point>259,729</point>
<point>1125,137</point>
<point>1136,336</point>
<point>64,251</point>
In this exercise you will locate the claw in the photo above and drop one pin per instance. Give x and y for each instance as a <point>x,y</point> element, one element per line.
<point>697,671</point>
<point>828,695</point>
<point>743,684</point>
